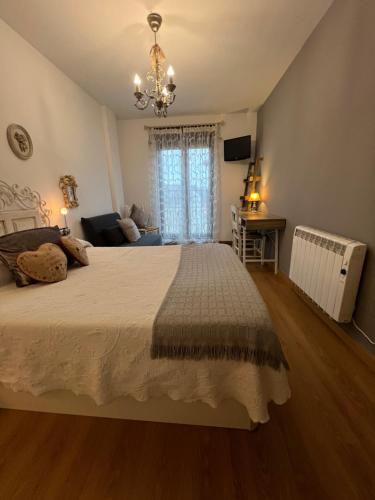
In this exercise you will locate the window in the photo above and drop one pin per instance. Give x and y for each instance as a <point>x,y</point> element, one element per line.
<point>184,171</point>
<point>186,194</point>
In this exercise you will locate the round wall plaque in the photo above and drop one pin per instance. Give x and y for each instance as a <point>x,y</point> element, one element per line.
<point>19,141</point>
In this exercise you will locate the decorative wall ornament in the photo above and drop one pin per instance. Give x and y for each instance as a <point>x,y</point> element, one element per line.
<point>12,196</point>
<point>68,184</point>
<point>20,141</point>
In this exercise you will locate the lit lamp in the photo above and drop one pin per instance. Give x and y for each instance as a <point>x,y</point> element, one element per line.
<point>64,212</point>
<point>137,85</point>
<point>170,73</point>
<point>254,199</point>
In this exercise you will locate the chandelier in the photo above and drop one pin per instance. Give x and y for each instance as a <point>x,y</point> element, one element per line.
<point>161,94</point>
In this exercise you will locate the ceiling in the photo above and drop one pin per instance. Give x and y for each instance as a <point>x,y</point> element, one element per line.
<point>227,55</point>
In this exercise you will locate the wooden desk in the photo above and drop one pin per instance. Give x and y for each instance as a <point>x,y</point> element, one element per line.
<point>267,224</point>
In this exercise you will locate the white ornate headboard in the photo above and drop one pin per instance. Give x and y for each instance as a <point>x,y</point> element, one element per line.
<point>21,208</point>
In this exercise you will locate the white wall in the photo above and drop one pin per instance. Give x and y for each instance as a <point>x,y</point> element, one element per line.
<point>65,124</point>
<point>113,159</point>
<point>134,153</point>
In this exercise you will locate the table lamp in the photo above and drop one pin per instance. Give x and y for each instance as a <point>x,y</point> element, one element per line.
<point>254,199</point>
<point>64,212</point>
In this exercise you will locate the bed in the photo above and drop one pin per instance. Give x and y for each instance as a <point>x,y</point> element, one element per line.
<point>84,346</point>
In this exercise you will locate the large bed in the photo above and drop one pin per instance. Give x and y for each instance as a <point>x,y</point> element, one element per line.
<point>84,346</point>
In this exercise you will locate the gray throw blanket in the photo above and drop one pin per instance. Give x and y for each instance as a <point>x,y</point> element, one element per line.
<point>213,310</point>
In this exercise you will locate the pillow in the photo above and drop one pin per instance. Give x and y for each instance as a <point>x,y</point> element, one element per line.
<point>85,243</point>
<point>127,211</point>
<point>114,236</point>
<point>75,249</point>
<point>139,217</point>
<point>129,229</point>
<point>11,245</point>
<point>5,275</point>
<point>47,264</point>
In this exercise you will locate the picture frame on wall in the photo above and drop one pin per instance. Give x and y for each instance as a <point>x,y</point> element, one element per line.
<point>20,141</point>
<point>68,185</point>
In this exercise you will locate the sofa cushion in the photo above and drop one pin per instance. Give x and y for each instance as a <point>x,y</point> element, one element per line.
<point>139,217</point>
<point>129,229</point>
<point>114,236</point>
<point>146,240</point>
<point>93,227</point>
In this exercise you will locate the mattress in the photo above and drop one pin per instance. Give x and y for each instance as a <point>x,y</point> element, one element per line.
<point>92,333</point>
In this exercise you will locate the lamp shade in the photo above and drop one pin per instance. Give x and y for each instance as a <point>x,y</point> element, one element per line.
<point>254,196</point>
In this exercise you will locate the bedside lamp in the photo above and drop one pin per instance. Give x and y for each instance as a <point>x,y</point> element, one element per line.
<point>254,199</point>
<point>64,212</point>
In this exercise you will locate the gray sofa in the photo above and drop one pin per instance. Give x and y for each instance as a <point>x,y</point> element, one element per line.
<point>104,231</point>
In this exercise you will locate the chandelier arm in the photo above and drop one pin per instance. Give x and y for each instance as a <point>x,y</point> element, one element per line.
<point>151,94</point>
<point>142,104</point>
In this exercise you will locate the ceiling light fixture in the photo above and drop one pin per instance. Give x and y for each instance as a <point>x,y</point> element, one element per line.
<point>161,95</point>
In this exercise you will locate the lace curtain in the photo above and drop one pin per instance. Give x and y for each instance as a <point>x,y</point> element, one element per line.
<point>185,182</point>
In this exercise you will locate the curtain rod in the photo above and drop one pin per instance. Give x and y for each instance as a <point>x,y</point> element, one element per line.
<point>147,127</point>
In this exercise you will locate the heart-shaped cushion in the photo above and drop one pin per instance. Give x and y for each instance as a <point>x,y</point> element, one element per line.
<point>47,264</point>
<point>74,248</point>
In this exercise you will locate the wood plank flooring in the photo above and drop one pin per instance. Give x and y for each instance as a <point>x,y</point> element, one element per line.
<point>320,445</point>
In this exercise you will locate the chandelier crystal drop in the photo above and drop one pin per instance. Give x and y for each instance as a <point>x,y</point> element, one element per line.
<point>162,92</point>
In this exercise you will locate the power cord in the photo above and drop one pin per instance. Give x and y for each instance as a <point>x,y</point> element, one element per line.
<point>363,333</point>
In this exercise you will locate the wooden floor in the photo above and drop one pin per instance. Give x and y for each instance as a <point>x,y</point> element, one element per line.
<point>320,445</point>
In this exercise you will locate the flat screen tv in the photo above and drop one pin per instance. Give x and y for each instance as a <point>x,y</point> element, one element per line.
<point>237,149</point>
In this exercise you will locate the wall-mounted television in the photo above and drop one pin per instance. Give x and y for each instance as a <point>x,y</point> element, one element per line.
<point>237,149</point>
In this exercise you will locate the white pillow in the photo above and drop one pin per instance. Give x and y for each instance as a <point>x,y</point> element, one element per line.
<point>5,275</point>
<point>129,228</point>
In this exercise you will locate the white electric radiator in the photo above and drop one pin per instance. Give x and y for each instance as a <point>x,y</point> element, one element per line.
<point>327,267</point>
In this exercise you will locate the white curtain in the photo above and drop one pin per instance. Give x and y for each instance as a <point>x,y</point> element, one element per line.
<point>185,182</point>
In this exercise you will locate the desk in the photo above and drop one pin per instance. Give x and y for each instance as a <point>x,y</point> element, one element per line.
<point>266,224</point>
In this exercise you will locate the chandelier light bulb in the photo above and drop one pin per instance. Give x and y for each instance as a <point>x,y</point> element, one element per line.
<point>170,74</point>
<point>137,83</point>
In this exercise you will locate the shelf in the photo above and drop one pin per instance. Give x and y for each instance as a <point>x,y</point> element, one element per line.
<point>251,178</point>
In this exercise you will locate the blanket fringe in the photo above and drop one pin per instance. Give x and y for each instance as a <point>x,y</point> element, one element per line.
<point>218,352</point>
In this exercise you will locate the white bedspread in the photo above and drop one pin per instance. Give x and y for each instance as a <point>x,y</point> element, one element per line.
<point>91,334</point>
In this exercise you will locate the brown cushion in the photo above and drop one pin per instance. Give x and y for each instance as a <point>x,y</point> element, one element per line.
<point>75,249</point>
<point>47,264</point>
<point>139,217</point>
<point>129,229</point>
<point>11,245</point>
